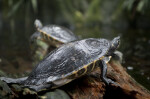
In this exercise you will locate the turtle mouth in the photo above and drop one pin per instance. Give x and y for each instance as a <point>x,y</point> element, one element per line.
<point>118,44</point>
<point>118,41</point>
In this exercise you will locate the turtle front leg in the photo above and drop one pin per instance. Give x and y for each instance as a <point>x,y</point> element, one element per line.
<point>104,72</point>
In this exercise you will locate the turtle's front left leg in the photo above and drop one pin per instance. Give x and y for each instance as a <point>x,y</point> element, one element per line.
<point>104,72</point>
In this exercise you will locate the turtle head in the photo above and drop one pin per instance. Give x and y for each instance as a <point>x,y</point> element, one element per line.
<point>114,44</point>
<point>38,24</point>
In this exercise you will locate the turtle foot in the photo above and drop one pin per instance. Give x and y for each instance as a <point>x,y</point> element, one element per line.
<point>109,82</point>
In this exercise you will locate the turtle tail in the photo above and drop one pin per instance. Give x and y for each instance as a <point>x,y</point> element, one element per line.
<point>11,80</point>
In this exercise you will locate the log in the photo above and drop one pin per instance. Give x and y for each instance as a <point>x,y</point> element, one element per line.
<point>88,87</point>
<point>91,86</point>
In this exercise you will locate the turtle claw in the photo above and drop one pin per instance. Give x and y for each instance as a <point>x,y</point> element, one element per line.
<point>114,83</point>
<point>109,81</point>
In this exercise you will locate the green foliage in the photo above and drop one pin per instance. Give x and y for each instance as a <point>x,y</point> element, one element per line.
<point>142,5</point>
<point>77,12</point>
<point>14,6</point>
<point>93,12</point>
<point>138,5</point>
<point>34,5</point>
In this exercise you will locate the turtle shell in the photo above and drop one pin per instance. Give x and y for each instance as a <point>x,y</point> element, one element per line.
<point>57,33</point>
<point>69,62</point>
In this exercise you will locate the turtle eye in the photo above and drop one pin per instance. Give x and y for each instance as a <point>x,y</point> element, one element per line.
<point>117,41</point>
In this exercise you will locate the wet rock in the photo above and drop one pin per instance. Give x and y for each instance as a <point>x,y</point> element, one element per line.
<point>56,94</point>
<point>5,91</point>
<point>38,50</point>
<point>16,87</point>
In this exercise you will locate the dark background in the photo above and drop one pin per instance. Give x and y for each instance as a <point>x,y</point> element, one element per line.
<point>129,19</point>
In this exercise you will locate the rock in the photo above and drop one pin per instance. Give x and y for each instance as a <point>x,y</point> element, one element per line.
<point>56,94</point>
<point>5,91</point>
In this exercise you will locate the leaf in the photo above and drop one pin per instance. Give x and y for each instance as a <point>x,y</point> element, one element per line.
<point>140,6</point>
<point>15,8</point>
<point>34,5</point>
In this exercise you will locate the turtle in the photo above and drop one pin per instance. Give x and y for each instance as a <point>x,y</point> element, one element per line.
<point>54,35</point>
<point>47,38</point>
<point>69,62</point>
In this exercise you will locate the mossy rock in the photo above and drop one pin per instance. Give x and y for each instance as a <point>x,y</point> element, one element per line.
<point>5,91</point>
<point>56,94</point>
